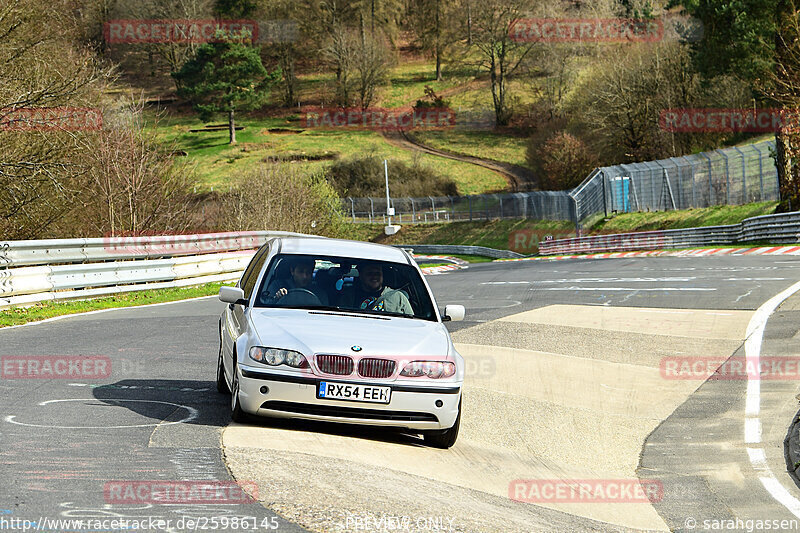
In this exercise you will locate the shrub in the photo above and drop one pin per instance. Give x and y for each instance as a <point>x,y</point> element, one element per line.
<point>566,161</point>
<point>360,177</point>
<point>280,197</point>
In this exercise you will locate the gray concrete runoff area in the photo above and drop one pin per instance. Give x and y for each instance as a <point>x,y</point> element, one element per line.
<point>600,395</point>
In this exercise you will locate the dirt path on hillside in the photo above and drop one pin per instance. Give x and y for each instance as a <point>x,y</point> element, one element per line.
<point>518,178</point>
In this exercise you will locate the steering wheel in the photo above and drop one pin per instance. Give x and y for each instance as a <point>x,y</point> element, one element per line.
<point>300,296</point>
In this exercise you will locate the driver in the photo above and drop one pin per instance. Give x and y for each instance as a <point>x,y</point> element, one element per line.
<point>370,292</point>
<point>301,270</point>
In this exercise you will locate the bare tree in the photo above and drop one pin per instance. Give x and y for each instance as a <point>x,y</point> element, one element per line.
<point>43,66</point>
<point>371,67</point>
<point>134,184</point>
<point>620,104</point>
<point>499,54</point>
<point>340,54</point>
<point>281,197</point>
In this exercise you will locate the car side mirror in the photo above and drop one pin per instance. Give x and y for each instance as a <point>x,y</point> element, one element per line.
<point>232,295</point>
<point>454,313</point>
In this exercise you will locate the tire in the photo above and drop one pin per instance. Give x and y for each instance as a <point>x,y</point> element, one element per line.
<point>237,415</point>
<point>222,385</point>
<point>444,438</point>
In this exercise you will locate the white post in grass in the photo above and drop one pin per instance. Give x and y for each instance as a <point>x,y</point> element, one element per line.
<point>389,229</point>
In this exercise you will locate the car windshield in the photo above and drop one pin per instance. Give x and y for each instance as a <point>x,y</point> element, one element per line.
<point>345,284</point>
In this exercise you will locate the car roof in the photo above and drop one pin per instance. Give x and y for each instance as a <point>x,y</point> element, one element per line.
<point>340,247</point>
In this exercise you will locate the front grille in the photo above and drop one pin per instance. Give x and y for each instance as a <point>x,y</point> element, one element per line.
<point>376,368</point>
<point>349,412</point>
<point>341,365</point>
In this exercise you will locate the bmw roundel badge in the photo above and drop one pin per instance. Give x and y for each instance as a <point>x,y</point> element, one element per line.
<point>356,348</point>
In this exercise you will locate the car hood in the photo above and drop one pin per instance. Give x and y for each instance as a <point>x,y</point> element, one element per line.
<point>322,332</point>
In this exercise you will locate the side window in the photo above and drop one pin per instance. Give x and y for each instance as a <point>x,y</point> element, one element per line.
<point>250,276</point>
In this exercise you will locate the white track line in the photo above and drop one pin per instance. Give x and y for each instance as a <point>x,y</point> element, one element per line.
<point>752,422</point>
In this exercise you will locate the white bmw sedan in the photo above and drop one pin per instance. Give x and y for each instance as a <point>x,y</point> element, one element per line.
<point>343,331</point>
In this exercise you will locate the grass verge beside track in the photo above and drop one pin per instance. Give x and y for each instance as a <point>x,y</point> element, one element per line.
<point>21,315</point>
<point>719,215</point>
<point>492,233</point>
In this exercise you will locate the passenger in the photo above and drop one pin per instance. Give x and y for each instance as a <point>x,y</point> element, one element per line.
<point>370,293</point>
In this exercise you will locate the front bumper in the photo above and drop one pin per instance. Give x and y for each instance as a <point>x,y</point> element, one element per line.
<point>294,396</point>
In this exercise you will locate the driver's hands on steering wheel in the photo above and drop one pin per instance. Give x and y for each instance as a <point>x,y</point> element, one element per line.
<point>281,293</point>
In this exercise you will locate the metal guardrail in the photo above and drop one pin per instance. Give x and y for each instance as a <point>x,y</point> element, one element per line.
<point>460,250</point>
<point>61,269</point>
<point>782,228</point>
<point>27,285</point>
<point>57,251</point>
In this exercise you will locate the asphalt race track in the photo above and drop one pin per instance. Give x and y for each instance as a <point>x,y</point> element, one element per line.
<point>565,381</point>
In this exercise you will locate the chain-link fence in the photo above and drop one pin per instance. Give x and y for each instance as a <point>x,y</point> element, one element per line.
<point>733,176</point>
<point>535,205</point>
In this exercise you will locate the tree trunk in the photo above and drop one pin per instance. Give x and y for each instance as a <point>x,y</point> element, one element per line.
<point>438,47</point>
<point>783,148</point>
<point>469,23</point>
<point>231,128</point>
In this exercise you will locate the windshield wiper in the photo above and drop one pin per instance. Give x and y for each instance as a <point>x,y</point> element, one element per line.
<point>316,307</point>
<point>387,313</point>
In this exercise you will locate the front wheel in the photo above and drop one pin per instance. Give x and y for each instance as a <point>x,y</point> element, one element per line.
<point>444,438</point>
<point>222,385</point>
<point>237,415</point>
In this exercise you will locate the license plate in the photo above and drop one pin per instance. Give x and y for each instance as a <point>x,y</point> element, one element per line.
<point>353,393</point>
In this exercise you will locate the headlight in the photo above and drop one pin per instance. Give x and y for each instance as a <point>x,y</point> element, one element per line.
<point>276,357</point>
<point>432,369</point>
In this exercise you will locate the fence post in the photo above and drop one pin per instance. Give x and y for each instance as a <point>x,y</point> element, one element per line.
<point>760,172</point>
<point>486,205</point>
<point>371,209</point>
<point>352,207</point>
<point>413,212</point>
<point>470,207</point>
<point>575,211</point>
<point>679,176</point>
<point>525,197</point>
<point>727,178</point>
<point>744,176</point>
<point>691,166</point>
<point>710,190</point>
<point>605,205</point>
<point>452,208</point>
<point>501,207</point>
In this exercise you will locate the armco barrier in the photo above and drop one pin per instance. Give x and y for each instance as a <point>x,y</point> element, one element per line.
<point>782,228</point>
<point>46,270</point>
<point>55,251</point>
<point>460,250</point>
